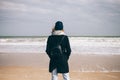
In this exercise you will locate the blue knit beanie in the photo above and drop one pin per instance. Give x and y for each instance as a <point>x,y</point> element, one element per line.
<point>58,25</point>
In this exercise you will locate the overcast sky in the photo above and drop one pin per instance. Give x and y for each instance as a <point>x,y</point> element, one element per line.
<point>80,17</point>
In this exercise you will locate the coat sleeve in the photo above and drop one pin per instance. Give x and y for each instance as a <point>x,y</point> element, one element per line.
<point>48,47</point>
<point>68,48</point>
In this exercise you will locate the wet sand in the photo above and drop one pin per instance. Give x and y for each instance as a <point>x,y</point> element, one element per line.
<point>34,66</point>
<point>38,73</point>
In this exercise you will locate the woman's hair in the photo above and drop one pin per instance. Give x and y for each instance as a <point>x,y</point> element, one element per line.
<point>53,29</point>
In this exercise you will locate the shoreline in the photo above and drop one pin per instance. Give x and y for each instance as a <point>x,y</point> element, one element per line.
<point>34,66</point>
<point>77,62</point>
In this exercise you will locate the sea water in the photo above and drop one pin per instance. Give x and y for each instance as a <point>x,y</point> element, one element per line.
<point>79,45</point>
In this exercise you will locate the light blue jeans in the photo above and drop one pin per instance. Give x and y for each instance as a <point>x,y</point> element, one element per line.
<point>55,75</point>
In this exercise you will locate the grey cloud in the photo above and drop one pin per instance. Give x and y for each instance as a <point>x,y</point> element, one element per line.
<point>80,17</point>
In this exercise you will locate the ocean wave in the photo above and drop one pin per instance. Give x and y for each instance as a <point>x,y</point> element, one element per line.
<point>80,45</point>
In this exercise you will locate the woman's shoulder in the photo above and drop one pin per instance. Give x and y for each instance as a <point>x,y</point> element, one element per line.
<point>51,36</point>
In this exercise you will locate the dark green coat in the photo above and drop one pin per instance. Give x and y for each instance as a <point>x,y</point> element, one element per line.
<point>60,63</point>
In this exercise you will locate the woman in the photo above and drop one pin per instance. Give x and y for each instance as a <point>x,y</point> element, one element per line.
<point>59,64</point>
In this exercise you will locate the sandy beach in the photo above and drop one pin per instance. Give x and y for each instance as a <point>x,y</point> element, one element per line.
<point>34,66</point>
<point>37,73</point>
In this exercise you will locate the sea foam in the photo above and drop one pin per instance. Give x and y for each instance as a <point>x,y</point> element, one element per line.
<point>79,45</point>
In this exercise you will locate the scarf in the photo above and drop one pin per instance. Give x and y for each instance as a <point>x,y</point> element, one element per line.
<point>58,32</point>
